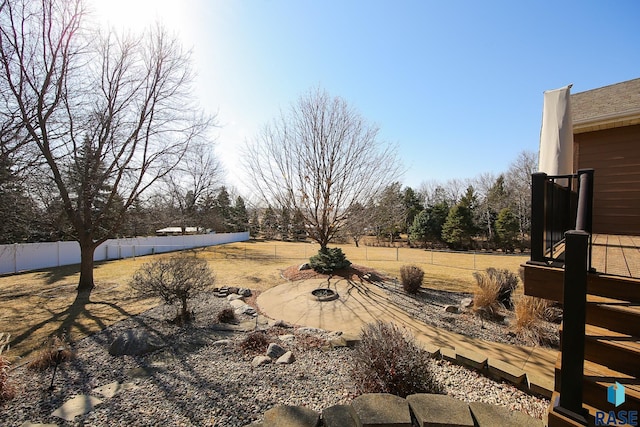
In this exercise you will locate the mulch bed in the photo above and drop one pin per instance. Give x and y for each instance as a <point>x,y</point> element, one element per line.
<point>293,273</point>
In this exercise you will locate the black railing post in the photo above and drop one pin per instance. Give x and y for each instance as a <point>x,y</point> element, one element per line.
<point>584,220</point>
<point>538,181</point>
<point>573,329</point>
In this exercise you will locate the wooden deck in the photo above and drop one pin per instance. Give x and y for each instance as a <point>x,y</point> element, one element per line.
<point>616,255</point>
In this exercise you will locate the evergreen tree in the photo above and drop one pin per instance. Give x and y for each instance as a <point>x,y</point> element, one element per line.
<point>298,229</point>
<point>240,218</point>
<point>412,206</point>
<point>222,208</point>
<point>269,225</point>
<point>254,224</point>
<point>507,229</point>
<point>459,229</point>
<point>285,223</point>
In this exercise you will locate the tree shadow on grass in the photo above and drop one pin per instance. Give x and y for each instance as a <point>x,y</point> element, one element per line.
<point>70,319</point>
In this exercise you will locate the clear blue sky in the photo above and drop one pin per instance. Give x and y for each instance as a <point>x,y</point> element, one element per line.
<point>457,85</point>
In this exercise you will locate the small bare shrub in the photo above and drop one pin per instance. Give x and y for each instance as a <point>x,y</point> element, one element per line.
<point>176,280</point>
<point>411,278</point>
<point>55,349</point>
<point>7,389</point>
<point>388,360</point>
<point>226,315</point>
<point>255,342</point>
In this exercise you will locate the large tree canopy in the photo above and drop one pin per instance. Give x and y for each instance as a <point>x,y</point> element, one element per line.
<point>106,115</point>
<point>320,157</point>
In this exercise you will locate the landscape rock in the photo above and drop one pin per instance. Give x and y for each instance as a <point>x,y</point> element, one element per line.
<point>281,324</point>
<point>339,416</point>
<point>223,342</point>
<point>304,266</point>
<point>440,410</point>
<point>452,309</point>
<point>244,292</point>
<point>487,415</point>
<point>274,351</point>
<point>135,342</point>
<point>309,330</point>
<point>233,290</point>
<point>466,303</point>
<point>286,359</point>
<point>237,303</point>
<point>260,360</point>
<point>233,297</point>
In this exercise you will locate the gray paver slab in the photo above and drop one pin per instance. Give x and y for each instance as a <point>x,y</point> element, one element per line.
<point>291,416</point>
<point>487,415</point>
<point>382,409</point>
<point>440,410</point>
<point>109,390</point>
<point>339,416</point>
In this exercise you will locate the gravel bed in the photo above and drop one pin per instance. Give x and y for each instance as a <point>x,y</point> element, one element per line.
<point>194,382</point>
<point>429,305</point>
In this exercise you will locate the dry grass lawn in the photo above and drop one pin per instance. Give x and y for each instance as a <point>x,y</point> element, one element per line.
<point>37,305</point>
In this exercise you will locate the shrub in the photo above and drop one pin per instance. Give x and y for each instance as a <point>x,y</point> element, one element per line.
<point>7,389</point>
<point>175,280</point>
<point>328,260</point>
<point>388,360</point>
<point>226,315</point>
<point>411,278</point>
<point>255,342</point>
<point>55,349</point>
<point>495,288</point>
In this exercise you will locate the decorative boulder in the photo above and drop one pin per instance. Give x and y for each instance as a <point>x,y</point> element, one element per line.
<point>135,342</point>
<point>274,351</point>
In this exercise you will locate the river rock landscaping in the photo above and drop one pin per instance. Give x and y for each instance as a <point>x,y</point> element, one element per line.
<point>203,375</point>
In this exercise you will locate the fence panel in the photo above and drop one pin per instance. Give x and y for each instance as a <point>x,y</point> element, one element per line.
<point>32,256</point>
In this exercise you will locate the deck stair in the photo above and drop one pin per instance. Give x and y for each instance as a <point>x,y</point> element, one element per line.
<point>612,348</point>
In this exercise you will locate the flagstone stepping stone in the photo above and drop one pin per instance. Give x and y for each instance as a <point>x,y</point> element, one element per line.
<point>79,405</point>
<point>109,390</point>
<point>30,424</point>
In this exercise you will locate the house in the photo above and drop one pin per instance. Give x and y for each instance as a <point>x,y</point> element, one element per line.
<point>585,254</point>
<point>177,231</point>
<point>606,129</point>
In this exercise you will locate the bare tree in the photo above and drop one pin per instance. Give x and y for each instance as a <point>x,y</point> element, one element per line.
<point>115,113</point>
<point>191,182</point>
<point>518,183</point>
<point>321,157</point>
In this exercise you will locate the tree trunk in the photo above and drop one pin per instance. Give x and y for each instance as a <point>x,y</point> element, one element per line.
<point>87,248</point>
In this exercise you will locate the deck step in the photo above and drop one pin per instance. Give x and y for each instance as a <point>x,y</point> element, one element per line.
<point>597,379</point>
<point>622,288</point>
<point>616,350</point>
<point>614,314</point>
<point>547,282</point>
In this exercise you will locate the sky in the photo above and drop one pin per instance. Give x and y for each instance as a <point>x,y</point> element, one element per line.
<point>457,86</point>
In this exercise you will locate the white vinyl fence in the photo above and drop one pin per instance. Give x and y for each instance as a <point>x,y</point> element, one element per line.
<point>32,256</point>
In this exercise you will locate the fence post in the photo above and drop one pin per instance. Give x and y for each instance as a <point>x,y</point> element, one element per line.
<point>573,330</point>
<point>538,181</point>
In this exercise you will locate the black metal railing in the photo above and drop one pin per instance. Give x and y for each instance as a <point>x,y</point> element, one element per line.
<point>561,228</point>
<point>554,211</point>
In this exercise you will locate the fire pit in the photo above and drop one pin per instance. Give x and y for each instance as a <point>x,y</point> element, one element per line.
<point>324,294</point>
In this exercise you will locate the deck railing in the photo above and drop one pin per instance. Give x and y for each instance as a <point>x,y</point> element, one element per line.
<point>554,211</point>
<point>561,226</point>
